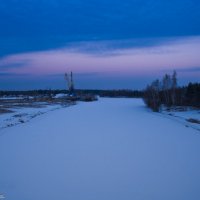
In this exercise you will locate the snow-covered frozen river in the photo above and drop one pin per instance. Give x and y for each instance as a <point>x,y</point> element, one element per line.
<point>112,149</point>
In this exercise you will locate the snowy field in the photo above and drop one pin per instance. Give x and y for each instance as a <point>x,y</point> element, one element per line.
<point>22,115</point>
<point>112,149</point>
<point>184,116</point>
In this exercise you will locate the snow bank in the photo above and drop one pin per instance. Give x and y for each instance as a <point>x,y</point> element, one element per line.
<point>20,115</point>
<point>61,95</point>
<point>184,116</point>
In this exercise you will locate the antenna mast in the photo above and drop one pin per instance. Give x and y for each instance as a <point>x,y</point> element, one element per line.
<point>70,83</point>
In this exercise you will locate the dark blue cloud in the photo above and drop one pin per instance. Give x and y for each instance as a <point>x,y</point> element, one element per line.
<point>13,65</point>
<point>32,25</point>
<point>189,69</point>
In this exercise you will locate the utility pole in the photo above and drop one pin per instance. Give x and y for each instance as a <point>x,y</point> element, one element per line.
<point>70,83</point>
<point>67,79</point>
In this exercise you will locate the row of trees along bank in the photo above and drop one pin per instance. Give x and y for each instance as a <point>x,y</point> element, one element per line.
<point>166,92</point>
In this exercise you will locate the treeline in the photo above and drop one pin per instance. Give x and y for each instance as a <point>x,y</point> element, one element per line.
<point>166,92</point>
<point>113,93</point>
<point>30,92</point>
<point>101,93</point>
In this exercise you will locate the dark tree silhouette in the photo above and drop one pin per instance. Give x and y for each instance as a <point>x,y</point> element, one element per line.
<point>169,94</point>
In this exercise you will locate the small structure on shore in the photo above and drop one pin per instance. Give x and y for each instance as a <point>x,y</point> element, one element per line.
<point>72,96</point>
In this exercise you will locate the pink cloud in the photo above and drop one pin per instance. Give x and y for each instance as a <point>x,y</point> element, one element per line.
<point>182,53</point>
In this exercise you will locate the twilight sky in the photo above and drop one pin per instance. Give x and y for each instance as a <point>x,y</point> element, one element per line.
<point>107,44</point>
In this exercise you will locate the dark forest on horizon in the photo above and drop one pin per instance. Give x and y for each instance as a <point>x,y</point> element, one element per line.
<point>167,92</point>
<point>101,93</point>
<point>155,95</point>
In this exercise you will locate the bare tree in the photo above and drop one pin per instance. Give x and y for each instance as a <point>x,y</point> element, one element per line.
<point>174,87</point>
<point>152,97</point>
<point>166,86</point>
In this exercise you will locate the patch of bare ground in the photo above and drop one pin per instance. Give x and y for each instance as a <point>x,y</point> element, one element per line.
<point>195,121</point>
<point>3,111</point>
